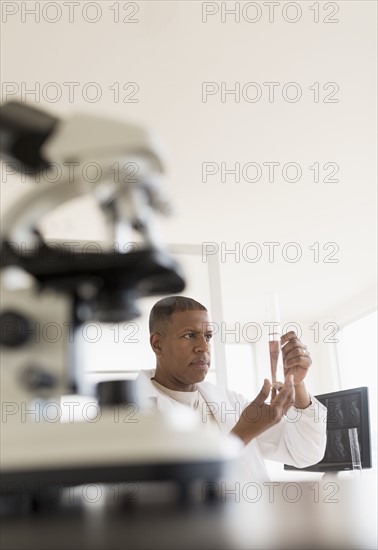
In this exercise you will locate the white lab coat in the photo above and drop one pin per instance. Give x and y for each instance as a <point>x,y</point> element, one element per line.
<point>299,439</point>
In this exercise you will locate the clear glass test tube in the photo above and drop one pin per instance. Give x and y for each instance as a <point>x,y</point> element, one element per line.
<point>355,449</point>
<point>274,328</point>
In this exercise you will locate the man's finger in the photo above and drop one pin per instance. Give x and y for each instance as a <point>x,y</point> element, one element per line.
<point>285,338</point>
<point>264,393</point>
<point>294,343</point>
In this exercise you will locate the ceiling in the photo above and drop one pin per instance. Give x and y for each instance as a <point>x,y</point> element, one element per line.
<point>315,124</point>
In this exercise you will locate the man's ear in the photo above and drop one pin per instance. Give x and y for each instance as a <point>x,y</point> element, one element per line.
<point>155,341</point>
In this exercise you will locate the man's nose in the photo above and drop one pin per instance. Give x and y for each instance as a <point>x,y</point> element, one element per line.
<point>202,344</point>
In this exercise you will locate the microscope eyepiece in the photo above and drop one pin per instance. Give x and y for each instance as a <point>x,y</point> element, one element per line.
<point>23,130</point>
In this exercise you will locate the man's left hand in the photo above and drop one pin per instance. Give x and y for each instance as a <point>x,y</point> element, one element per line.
<point>296,357</point>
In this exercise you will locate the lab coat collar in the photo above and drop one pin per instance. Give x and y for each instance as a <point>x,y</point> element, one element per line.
<point>226,413</point>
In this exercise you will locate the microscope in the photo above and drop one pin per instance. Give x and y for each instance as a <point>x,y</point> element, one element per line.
<point>42,286</point>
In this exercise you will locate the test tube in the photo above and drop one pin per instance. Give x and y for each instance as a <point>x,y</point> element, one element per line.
<point>274,327</point>
<point>354,449</point>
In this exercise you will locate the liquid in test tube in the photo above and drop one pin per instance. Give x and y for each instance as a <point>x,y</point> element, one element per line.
<point>273,316</point>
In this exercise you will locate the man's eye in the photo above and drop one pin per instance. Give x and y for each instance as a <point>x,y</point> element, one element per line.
<point>189,335</point>
<point>208,337</point>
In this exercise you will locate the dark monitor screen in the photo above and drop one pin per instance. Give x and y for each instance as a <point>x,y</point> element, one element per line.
<point>346,409</point>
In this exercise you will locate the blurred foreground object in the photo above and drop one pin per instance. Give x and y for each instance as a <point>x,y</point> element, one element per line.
<point>43,285</point>
<point>48,292</point>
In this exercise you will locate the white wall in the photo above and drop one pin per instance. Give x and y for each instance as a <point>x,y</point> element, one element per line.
<point>169,50</point>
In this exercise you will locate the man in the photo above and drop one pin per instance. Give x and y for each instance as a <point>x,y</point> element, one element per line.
<point>180,335</point>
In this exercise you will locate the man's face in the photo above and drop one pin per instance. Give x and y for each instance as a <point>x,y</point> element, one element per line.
<point>183,351</point>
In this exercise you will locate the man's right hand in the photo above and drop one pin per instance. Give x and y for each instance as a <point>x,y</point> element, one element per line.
<point>258,416</point>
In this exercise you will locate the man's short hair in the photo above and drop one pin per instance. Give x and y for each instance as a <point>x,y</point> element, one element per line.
<point>160,315</point>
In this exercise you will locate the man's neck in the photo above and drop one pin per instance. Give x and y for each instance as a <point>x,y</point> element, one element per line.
<point>173,384</point>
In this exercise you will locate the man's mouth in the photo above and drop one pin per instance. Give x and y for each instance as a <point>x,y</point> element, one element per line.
<point>200,364</point>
